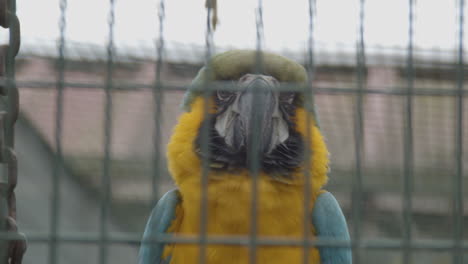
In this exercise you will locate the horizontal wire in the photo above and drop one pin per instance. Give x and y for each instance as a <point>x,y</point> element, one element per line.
<point>321,89</point>
<point>93,238</point>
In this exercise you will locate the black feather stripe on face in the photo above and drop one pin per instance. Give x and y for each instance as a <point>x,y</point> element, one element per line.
<point>280,163</point>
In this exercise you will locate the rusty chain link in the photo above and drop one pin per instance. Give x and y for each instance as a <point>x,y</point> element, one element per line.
<point>11,250</point>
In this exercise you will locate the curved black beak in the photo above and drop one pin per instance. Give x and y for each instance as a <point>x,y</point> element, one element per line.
<point>253,121</point>
<point>256,107</point>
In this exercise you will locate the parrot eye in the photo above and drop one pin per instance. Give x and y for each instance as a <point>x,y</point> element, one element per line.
<point>286,102</point>
<point>287,97</point>
<point>224,96</point>
<point>223,99</point>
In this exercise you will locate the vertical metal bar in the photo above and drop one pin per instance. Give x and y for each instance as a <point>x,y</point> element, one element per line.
<point>106,178</point>
<point>254,170</point>
<point>358,137</point>
<point>254,154</point>
<point>309,104</point>
<point>458,177</point>
<point>58,162</point>
<point>158,98</point>
<point>205,141</point>
<point>408,143</point>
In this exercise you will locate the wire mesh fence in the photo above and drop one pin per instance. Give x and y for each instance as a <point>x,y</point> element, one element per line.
<point>395,126</point>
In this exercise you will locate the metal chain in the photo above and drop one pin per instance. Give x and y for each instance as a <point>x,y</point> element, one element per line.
<point>14,249</point>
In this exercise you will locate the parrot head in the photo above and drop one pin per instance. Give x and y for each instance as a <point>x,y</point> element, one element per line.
<point>257,118</point>
<point>254,120</point>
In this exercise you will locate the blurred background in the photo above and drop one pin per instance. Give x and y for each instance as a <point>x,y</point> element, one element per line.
<point>336,37</point>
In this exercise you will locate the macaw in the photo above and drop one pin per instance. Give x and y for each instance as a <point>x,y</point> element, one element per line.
<point>281,174</point>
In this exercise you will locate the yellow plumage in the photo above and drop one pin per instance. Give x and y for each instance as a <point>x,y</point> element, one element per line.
<point>280,204</point>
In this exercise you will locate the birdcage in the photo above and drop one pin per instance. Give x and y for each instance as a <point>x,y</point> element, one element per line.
<point>93,122</point>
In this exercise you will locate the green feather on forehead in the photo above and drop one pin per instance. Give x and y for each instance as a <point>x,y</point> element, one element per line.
<point>232,65</point>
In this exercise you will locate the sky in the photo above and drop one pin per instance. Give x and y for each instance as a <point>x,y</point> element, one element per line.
<point>285,23</point>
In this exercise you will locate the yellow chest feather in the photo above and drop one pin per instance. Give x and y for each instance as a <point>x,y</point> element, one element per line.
<point>280,214</point>
<point>279,210</point>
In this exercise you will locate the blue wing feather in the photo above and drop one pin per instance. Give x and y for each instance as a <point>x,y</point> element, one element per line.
<point>159,221</point>
<point>327,218</point>
<point>330,223</point>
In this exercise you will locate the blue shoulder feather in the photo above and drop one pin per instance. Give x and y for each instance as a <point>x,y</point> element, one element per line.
<point>159,221</point>
<point>330,223</point>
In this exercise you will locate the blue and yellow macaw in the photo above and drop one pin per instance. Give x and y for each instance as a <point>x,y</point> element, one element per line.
<point>282,158</point>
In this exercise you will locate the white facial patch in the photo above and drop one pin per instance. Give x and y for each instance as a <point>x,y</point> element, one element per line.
<point>229,122</point>
<point>226,121</point>
<point>280,128</point>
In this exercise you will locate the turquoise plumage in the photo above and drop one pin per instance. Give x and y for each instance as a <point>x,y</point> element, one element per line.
<point>330,223</point>
<point>158,223</point>
<point>327,218</point>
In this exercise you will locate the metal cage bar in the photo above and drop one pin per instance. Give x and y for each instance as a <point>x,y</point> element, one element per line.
<point>407,244</point>
<point>203,232</point>
<point>318,88</point>
<point>309,95</point>
<point>408,141</point>
<point>106,181</point>
<point>254,167</point>
<point>58,163</point>
<point>158,98</point>
<point>358,138</point>
<point>458,176</point>
<point>442,245</point>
